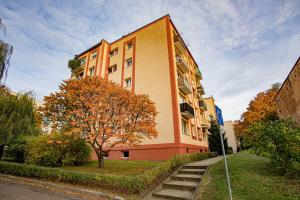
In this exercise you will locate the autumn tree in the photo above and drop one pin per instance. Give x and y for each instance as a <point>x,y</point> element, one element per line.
<point>103,113</point>
<point>260,107</point>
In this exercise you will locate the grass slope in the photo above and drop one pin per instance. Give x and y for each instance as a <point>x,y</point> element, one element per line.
<point>250,180</point>
<point>116,167</point>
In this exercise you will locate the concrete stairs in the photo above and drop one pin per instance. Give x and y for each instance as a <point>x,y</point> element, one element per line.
<point>181,185</point>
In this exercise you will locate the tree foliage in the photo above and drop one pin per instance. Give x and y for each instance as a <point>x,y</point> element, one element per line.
<point>17,116</point>
<point>6,51</point>
<point>214,139</point>
<point>74,63</point>
<point>260,107</point>
<point>103,113</point>
<point>279,140</point>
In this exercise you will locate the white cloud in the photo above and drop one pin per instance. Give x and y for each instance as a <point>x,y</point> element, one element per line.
<point>241,47</point>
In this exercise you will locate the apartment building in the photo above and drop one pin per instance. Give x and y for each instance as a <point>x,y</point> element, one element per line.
<point>154,60</point>
<point>288,97</point>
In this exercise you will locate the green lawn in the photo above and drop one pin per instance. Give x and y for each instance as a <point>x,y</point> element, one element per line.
<point>250,180</point>
<point>117,167</point>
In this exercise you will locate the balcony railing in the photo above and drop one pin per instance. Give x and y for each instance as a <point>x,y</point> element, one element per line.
<point>200,89</point>
<point>78,69</point>
<point>184,85</point>
<point>179,43</point>
<point>202,105</point>
<point>198,74</point>
<point>186,110</point>
<point>182,64</point>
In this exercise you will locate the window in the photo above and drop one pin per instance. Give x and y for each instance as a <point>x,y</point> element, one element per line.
<point>128,82</point>
<point>125,154</point>
<point>184,127</point>
<point>113,52</point>
<point>182,99</point>
<point>105,154</point>
<point>92,71</point>
<point>94,55</point>
<point>193,131</point>
<point>80,76</point>
<point>129,62</point>
<point>82,61</point>
<point>129,45</point>
<point>112,69</point>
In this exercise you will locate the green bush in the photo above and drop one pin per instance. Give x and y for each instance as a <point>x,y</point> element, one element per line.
<point>126,184</point>
<point>229,150</point>
<point>278,140</point>
<point>56,150</point>
<point>16,148</point>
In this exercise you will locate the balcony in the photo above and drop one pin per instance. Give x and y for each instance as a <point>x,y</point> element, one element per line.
<point>181,64</point>
<point>187,110</point>
<point>179,44</point>
<point>200,89</point>
<point>78,69</point>
<point>198,74</point>
<point>202,105</point>
<point>184,85</point>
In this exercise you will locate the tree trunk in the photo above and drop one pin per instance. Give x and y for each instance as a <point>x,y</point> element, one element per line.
<point>1,150</point>
<point>100,159</point>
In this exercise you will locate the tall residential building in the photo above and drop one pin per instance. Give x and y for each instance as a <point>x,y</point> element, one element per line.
<point>154,60</point>
<point>288,97</point>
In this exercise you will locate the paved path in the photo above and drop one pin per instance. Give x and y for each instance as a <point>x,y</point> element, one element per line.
<point>207,162</point>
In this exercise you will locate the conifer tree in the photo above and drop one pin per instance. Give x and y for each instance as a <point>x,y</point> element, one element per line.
<point>214,139</point>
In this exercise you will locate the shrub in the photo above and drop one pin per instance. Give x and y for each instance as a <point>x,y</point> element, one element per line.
<point>126,184</point>
<point>229,150</point>
<point>16,148</point>
<point>56,150</point>
<point>278,140</point>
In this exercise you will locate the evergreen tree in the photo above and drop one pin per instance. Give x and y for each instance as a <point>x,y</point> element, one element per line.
<point>214,139</point>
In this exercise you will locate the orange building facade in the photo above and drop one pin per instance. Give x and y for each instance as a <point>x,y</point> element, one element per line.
<point>154,60</point>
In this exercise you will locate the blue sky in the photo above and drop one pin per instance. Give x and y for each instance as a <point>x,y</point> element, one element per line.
<point>241,47</point>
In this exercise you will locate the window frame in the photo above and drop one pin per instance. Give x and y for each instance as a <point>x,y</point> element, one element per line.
<point>129,60</point>
<point>128,79</point>
<point>113,68</point>
<point>92,69</point>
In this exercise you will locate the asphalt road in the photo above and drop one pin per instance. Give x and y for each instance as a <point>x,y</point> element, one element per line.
<point>12,191</point>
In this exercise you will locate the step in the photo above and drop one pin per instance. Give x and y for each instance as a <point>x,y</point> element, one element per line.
<point>175,194</point>
<point>191,171</point>
<point>193,166</point>
<point>186,177</point>
<point>181,185</point>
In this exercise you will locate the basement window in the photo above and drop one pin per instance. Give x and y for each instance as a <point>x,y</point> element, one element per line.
<point>125,154</point>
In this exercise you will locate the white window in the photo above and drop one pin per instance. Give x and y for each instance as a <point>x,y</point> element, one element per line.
<point>112,69</point>
<point>129,45</point>
<point>94,55</point>
<point>82,61</point>
<point>92,71</point>
<point>128,82</point>
<point>184,127</point>
<point>113,52</point>
<point>129,62</point>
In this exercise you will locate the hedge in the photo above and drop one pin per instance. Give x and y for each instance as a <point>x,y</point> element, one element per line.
<point>116,183</point>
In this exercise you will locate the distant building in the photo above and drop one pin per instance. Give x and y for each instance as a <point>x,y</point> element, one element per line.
<point>288,97</point>
<point>229,132</point>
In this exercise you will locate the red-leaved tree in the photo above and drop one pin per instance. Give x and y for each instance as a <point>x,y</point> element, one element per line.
<point>103,113</point>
